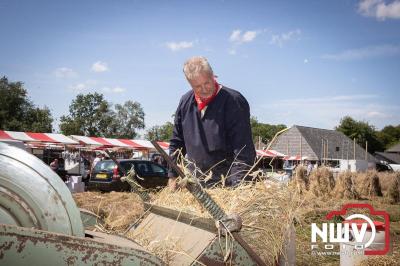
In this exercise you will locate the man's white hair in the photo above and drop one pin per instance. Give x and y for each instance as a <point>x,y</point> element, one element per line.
<point>195,66</point>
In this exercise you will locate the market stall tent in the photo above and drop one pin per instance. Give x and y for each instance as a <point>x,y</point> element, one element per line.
<point>269,153</point>
<point>134,144</point>
<point>36,137</point>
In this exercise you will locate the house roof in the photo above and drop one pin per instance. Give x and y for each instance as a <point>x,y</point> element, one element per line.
<point>313,141</point>
<point>395,148</point>
<point>389,157</point>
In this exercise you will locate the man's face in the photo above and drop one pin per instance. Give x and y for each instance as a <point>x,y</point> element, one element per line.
<point>203,85</point>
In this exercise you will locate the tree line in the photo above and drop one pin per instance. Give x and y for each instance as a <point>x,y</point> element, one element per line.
<point>91,115</point>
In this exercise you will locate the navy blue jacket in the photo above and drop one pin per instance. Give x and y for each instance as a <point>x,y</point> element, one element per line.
<point>221,137</point>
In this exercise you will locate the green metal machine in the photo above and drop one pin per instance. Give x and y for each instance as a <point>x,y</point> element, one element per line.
<point>41,225</point>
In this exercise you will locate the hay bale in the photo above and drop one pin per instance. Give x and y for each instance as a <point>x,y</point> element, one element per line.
<point>266,214</point>
<point>344,187</point>
<point>367,184</point>
<point>118,209</point>
<point>301,179</point>
<point>321,182</point>
<point>386,178</point>
<point>393,193</point>
<point>390,185</point>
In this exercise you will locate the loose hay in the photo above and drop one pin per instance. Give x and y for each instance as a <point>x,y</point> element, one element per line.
<point>118,209</point>
<point>266,215</point>
<point>265,211</point>
<point>344,187</point>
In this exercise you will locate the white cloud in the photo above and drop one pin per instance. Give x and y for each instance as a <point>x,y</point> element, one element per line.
<point>380,9</point>
<point>280,39</point>
<point>113,90</point>
<point>88,84</point>
<point>238,38</point>
<point>100,66</point>
<point>305,61</point>
<point>232,51</point>
<point>376,114</point>
<point>249,36</point>
<point>65,72</point>
<point>177,46</point>
<point>235,36</point>
<point>363,53</point>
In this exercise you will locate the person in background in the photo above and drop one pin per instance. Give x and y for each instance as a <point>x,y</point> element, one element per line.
<point>54,165</point>
<point>212,128</point>
<point>309,168</point>
<point>96,160</point>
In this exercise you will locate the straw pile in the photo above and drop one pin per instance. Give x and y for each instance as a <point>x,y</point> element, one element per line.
<point>390,185</point>
<point>301,179</point>
<point>118,209</point>
<point>344,187</point>
<point>321,182</point>
<point>367,184</point>
<point>266,214</point>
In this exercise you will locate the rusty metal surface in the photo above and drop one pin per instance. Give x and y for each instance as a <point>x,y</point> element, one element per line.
<point>224,251</point>
<point>24,246</point>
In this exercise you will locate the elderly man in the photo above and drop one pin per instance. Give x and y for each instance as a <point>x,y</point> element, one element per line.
<point>212,127</point>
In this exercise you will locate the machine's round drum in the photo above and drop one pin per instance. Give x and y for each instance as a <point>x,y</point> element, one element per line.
<point>33,195</point>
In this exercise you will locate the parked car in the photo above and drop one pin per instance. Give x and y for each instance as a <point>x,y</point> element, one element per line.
<point>106,175</point>
<point>383,166</point>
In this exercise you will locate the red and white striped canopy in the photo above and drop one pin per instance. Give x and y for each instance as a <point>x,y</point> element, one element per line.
<point>124,143</point>
<point>295,158</point>
<point>269,153</point>
<point>36,137</point>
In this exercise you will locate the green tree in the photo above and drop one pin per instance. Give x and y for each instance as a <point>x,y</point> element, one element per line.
<point>160,133</point>
<point>89,115</point>
<point>39,119</point>
<point>127,118</point>
<point>362,132</point>
<point>92,115</point>
<point>389,135</point>
<point>18,113</point>
<point>265,131</point>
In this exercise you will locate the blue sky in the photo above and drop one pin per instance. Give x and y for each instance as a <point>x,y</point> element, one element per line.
<point>297,62</point>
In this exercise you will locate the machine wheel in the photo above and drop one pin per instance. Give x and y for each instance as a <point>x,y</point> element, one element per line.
<point>32,195</point>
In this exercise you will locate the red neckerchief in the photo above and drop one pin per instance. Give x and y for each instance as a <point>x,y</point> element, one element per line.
<point>201,104</point>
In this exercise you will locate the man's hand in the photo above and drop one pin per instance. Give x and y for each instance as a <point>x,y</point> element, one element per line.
<point>172,183</point>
